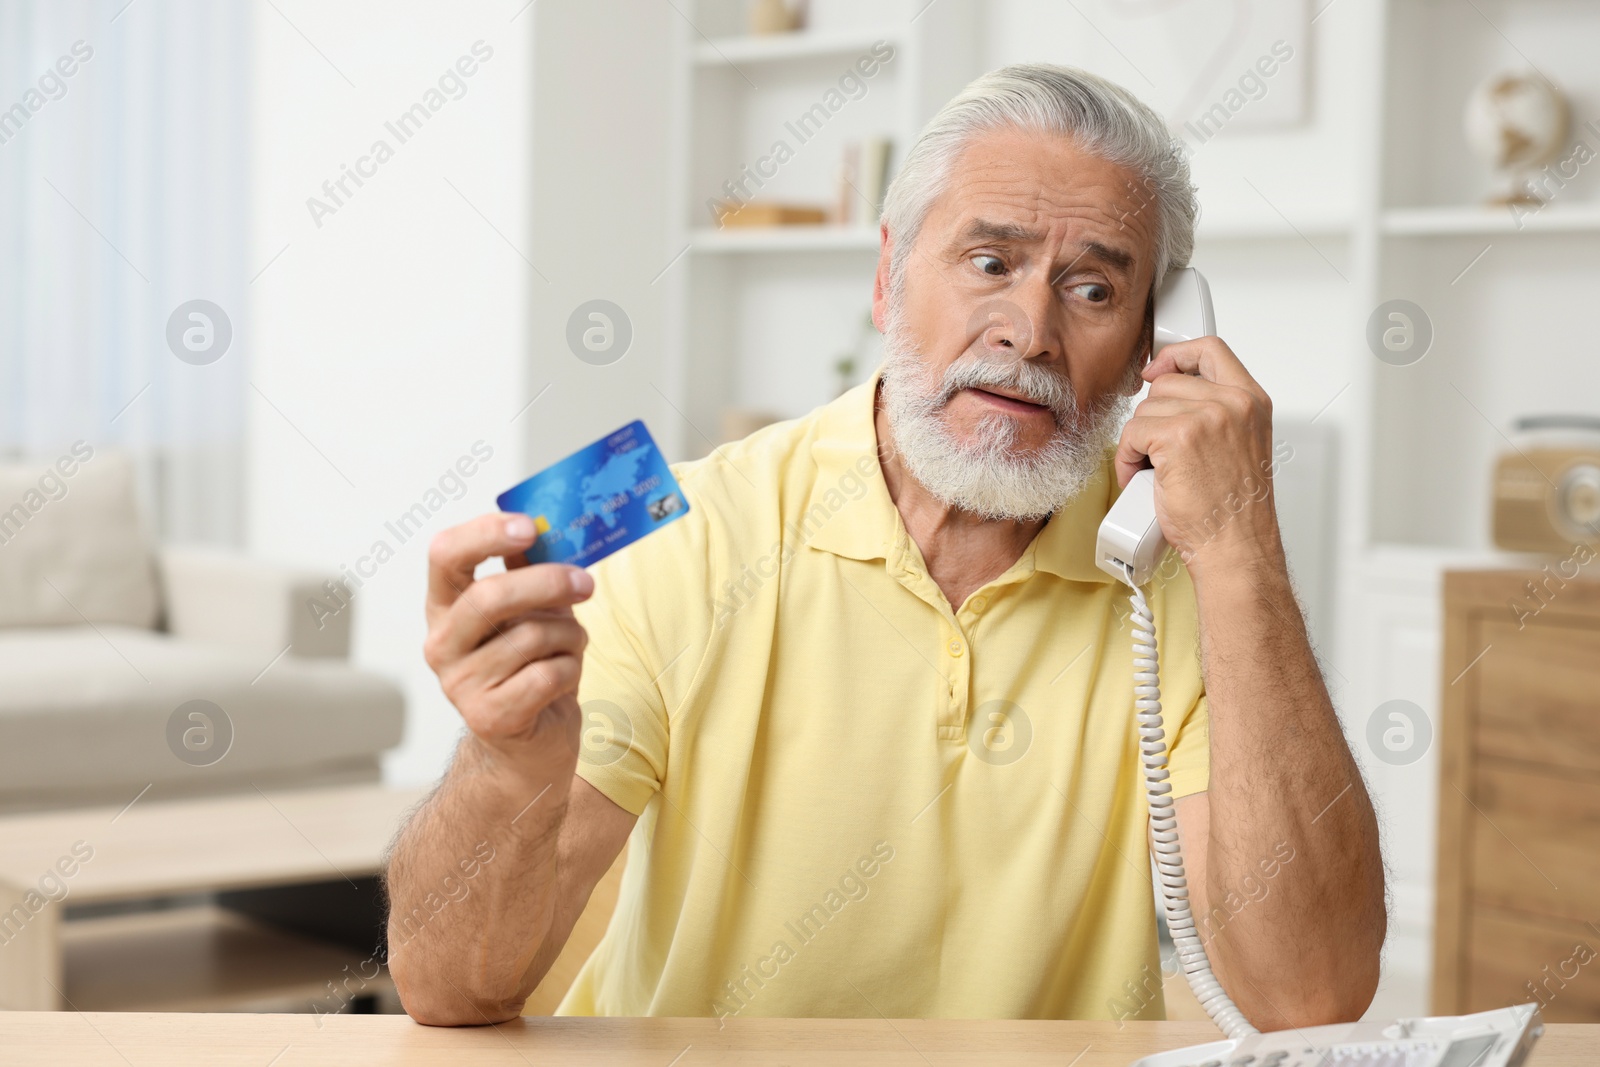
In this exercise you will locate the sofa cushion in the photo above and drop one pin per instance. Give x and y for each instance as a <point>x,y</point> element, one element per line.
<point>84,707</point>
<point>71,546</point>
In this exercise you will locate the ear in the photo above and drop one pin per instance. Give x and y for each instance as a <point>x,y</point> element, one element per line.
<point>1147,336</point>
<point>880,281</point>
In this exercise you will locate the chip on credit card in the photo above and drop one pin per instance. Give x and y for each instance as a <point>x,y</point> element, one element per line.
<point>603,497</point>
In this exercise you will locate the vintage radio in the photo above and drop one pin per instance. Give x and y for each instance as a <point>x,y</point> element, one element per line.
<point>1547,487</point>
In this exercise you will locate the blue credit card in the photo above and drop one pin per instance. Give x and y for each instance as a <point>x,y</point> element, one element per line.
<point>601,498</point>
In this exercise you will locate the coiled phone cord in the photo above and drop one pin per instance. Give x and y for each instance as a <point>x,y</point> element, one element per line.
<point>1164,823</point>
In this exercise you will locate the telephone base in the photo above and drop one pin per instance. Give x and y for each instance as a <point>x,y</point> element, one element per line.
<point>1499,1038</point>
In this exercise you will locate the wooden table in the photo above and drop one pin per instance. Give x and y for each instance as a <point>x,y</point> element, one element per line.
<point>172,1040</point>
<point>193,958</point>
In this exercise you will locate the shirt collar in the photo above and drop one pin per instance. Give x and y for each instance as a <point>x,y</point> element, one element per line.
<point>865,525</point>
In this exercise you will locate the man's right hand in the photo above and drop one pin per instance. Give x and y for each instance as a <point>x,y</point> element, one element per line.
<point>508,653</point>
<point>506,648</point>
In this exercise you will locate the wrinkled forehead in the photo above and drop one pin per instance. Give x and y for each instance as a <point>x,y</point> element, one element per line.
<point>1025,188</point>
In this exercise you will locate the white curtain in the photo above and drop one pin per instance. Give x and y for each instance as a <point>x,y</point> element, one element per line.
<point>124,188</point>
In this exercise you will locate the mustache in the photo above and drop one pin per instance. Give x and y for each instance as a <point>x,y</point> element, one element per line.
<point>1029,380</point>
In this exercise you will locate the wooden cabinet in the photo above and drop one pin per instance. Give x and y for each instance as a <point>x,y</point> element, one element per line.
<point>1518,909</point>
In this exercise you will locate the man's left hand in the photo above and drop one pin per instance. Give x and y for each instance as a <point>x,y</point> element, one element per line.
<point>1206,425</point>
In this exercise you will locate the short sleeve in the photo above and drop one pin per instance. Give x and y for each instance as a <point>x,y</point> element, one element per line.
<point>1186,708</point>
<point>647,624</point>
<point>622,750</point>
<point>1189,759</point>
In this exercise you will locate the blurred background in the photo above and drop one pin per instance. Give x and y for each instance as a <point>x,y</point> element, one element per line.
<point>288,287</point>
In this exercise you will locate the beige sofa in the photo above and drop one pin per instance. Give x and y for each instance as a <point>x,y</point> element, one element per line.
<point>104,638</point>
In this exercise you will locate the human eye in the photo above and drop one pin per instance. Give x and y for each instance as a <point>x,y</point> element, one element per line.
<point>1093,292</point>
<point>991,265</point>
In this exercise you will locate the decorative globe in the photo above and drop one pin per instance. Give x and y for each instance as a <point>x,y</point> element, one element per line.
<point>1516,123</point>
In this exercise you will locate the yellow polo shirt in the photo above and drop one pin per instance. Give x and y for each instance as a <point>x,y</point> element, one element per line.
<point>852,799</point>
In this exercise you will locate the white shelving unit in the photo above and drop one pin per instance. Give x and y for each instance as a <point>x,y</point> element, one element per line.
<point>759,316</point>
<point>1507,299</point>
<point>1506,295</point>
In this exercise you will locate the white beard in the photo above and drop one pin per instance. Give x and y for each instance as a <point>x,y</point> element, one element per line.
<point>989,476</point>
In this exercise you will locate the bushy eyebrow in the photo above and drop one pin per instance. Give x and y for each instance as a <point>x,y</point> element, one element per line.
<point>1119,258</point>
<point>989,230</point>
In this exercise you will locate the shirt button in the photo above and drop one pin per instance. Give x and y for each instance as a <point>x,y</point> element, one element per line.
<point>977,604</point>
<point>955,647</point>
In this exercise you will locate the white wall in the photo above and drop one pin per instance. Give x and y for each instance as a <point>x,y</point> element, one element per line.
<point>599,217</point>
<point>429,309</point>
<point>388,340</point>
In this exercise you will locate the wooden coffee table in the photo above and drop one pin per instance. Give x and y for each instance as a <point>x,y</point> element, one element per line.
<point>225,876</point>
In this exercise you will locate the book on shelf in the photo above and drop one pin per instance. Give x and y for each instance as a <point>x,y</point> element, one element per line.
<point>863,180</point>
<point>769,213</point>
<point>874,175</point>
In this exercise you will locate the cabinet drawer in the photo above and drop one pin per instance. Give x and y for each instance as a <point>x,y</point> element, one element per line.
<point>1534,693</point>
<point>1520,960</point>
<point>1534,841</point>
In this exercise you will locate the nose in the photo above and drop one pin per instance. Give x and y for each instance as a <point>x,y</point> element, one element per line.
<point>1018,324</point>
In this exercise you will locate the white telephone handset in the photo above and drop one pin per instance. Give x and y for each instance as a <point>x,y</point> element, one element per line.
<point>1130,534</point>
<point>1129,546</point>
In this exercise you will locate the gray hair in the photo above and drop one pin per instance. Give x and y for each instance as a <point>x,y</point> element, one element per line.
<point>1101,117</point>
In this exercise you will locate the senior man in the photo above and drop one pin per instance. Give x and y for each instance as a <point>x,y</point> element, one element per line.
<point>868,706</point>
